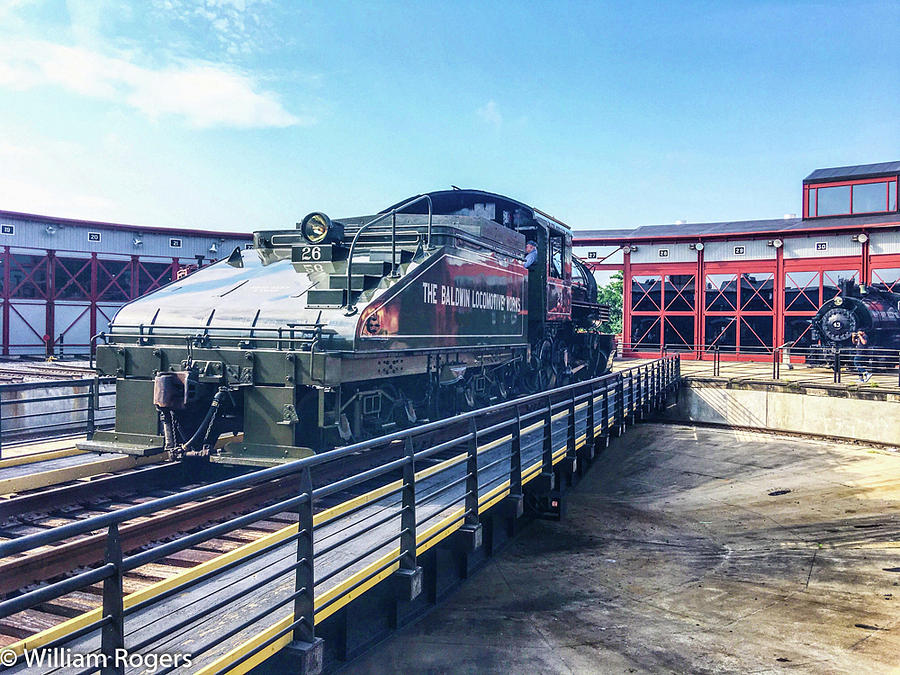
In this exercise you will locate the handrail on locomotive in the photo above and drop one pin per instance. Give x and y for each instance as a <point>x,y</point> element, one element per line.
<point>351,307</point>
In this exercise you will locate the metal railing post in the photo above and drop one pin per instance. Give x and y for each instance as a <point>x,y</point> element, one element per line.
<point>571,452</point>
<point>547,459</point>
<point>515,464</point>
<point>472,475</point>
<point>636,388</point>
<point>408,514</point>
<point>393,245</point>
<point>92,405</point>
<point>604,410</point>
<point>112,636</point>
<point>655,383</point>
<point>836,366</point>
<point>590,436</point>
<point>1,425</point>
<point>631,410</point>
<point>619,417</point>
<point>304,580</point>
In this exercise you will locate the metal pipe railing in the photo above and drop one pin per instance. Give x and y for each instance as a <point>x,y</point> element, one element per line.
<point>74,419</point>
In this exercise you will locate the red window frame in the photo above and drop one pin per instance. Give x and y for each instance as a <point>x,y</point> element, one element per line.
<point>851,183</point>
<point>883,262</point>
<point>662,313</point>
<point>756,267</point>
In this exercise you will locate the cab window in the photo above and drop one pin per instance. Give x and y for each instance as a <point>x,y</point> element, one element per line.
<point>556,256</point>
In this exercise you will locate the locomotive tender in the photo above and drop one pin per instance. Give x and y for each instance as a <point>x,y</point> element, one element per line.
<point>345,329</point>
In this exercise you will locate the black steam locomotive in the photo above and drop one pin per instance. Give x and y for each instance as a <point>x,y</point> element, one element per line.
<point>344,329</point>
<point>873,309</point>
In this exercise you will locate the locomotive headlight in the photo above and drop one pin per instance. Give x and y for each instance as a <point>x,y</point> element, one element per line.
<point>839,301</point>
<point>317,228</point>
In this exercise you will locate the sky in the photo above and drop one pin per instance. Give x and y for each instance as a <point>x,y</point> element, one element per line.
<point>247,114</point>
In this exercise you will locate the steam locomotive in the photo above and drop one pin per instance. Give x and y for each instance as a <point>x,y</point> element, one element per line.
<point>874,309</point>
<point>345,329</point>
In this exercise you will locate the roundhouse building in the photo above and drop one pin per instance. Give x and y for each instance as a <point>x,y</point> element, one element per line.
<point>750,286</point>
<point>63,279</point>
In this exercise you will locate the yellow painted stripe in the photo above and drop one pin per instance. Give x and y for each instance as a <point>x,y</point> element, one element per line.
<point>355,578</point>
<point>531,427</point>
<point>420,549</point>
<point>502,491</point>
<point>559,415</point>
<point>39,457</point>
<point>440,466</point>
<point>494,444</point>
<point>532,471</point>
<point>490,494</point>
<point>378,493</point>
<point>41,479</point>
<point>581,406</point>
<point>343,507</point>
<point>251,644</point>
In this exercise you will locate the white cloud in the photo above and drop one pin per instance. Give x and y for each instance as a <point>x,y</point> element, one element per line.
<point>236,25</point>
<point>49,178</point>
<point>490,113</point>
<point>204,94</point>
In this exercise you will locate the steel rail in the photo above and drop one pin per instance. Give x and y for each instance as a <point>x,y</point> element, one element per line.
<point>43,563</point>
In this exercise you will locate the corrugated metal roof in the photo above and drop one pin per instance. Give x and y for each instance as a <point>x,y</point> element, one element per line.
<point>75,222</point>
<point>853,172</point>
<point>740,227</point>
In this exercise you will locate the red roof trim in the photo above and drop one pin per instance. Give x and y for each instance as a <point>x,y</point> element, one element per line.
<point>121,226</point>
<point>781,234</point>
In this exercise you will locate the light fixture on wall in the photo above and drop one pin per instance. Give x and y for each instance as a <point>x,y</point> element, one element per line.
<point>50,229</point>
<point>631,249</point>
<point>697,247</point>
<point>214,248</point>
<point>137,241</point>
<point>777,243</point>
<point>862,238</point>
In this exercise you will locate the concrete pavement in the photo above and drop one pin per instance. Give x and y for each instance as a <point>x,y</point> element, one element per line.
<point>687,550</point>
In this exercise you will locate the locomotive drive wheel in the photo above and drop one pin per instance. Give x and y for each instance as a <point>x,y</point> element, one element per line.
<point>560,363</point>
<point>542,366</point>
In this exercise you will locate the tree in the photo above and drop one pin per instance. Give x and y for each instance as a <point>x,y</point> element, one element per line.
<point>612,294</point>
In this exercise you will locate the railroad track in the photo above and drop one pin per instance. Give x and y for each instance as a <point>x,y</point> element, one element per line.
<point>20,372</point>
<point>24,571</point>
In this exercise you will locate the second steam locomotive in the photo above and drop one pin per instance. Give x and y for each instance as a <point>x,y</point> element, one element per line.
<point>873,309</point>
<point>341,330</point>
